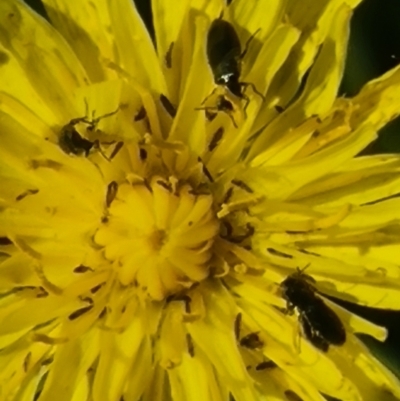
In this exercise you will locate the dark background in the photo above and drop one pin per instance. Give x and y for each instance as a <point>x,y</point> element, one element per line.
<point>374,49</point>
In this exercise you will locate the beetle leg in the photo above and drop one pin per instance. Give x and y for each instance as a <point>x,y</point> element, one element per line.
<point>96,145</point>
<point>117,148</point>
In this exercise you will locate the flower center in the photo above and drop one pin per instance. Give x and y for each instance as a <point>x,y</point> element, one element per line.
<point>159,229</point>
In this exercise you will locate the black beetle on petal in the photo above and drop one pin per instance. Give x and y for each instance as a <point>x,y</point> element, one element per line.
<point>320,325</point>
<point>224,55</point>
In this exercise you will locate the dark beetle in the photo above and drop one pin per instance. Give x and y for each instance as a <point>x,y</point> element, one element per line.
<point>312,336</point>
<point>298,291</point>
<point>71,141</point>
<point>320,324</point>
<point>224,55</point>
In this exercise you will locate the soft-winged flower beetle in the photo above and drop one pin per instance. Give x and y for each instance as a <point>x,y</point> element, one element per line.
<point>320,325</point>
<point>224,54</point>
<point>72,142</point>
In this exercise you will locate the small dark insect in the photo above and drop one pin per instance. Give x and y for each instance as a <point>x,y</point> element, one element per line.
<point>71,141</point>
<point>224,105</point>
<point>224,55</point>
<point>320,324</point>
<point>168,106</point>
<point>298,291</point>
<point>168,56</point>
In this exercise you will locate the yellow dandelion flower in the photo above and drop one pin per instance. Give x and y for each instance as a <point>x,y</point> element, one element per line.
<point>171,218</point>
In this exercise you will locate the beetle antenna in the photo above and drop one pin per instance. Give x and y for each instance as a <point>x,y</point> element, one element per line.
<point>246,46</point>
<point>301,270</point>
<point>95,121</point>
<point>96,145</point>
